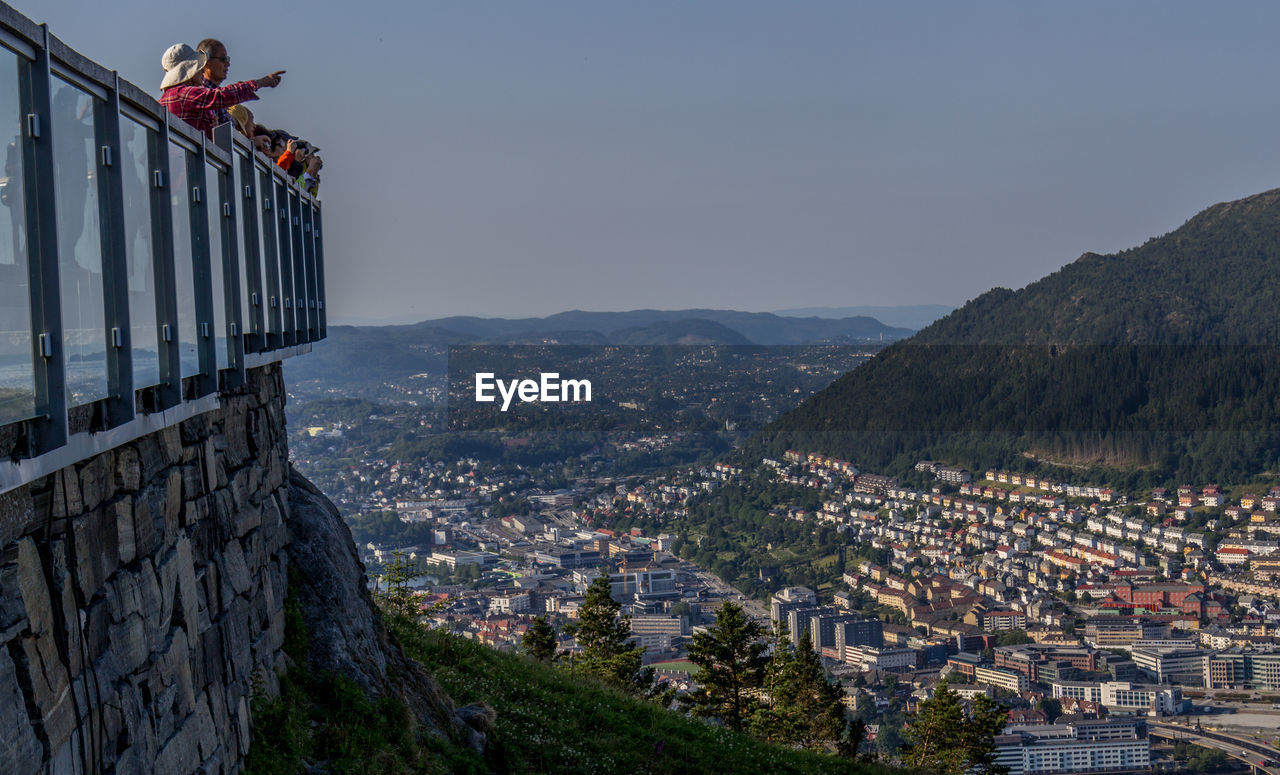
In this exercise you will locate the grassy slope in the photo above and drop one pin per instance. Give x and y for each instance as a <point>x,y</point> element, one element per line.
<point>550,720</point>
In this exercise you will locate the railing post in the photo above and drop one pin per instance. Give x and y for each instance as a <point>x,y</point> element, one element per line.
<point>115,264</point>
<point>49,429</point>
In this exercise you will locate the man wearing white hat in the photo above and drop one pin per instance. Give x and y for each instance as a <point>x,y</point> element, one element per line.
<point>186,96</point>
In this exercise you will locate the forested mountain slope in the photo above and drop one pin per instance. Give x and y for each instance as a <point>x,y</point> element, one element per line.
<point>1158,362</point>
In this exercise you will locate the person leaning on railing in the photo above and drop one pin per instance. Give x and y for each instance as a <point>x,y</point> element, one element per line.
<point>186,95</point>
<point>300,161</point>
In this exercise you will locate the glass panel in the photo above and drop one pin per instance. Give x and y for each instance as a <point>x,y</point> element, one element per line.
<point>270,253</point>
<point>280,217</point>
<point>299,264</point>
<point>139,253</point>
<point>249,264</point>
<point>180,199</point>
<point>309,251</point>
<point>217,264</point>
<point>17,380</point>
<point>75,185</point>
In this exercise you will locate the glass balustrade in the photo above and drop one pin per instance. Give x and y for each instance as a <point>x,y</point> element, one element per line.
<point>142,266</point>
<point>17,376</point>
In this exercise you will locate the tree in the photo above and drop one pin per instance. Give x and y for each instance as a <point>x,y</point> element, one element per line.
<point>732,658</point>
<point>941,739</point>
<point>603,635</point>
<point>540,640</point>
<point>1013,638</point>
<point>1050,707</point>
<point>399,596</point>
<point>803,708</point>
<point>855,733</point>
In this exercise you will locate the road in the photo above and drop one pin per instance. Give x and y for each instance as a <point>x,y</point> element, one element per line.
<point>754,608</point>
<point>1248,751</point>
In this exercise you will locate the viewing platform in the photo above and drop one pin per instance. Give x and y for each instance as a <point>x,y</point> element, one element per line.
<point>143,268</point>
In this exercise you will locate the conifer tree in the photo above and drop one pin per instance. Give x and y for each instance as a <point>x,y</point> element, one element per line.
<point>943,739</point>
<point>732,657</point>
<point>803,708</point>
<point>539,640</point>
<point>603,634</point>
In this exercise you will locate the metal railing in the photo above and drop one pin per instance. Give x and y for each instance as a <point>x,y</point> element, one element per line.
<point>142,267</point>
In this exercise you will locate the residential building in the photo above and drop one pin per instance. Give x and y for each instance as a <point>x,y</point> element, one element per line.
<point>1001,678</point>
<point>1151,699</point>
<point>1068,748</point>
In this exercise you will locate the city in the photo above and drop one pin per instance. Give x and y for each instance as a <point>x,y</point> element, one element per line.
<point>1104,620</point>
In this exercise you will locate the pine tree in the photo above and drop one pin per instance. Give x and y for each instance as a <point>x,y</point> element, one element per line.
<point>986,720</point>
<point>399,596</point>
<point>540,640</point>
<point>943,739</point>
<point>933,741</point>
<point>804,708</point>
<point>602,633</point>
<point>732,658</point>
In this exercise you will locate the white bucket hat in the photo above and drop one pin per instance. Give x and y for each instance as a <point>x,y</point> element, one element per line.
<point>180,63</point>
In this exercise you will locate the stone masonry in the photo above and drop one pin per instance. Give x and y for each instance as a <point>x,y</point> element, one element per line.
<point>141,596</point>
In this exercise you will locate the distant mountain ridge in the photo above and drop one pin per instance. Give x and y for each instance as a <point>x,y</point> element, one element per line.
<point>1160,358</point>
<point>755,327</point>
<point>914,316</point>
<point>353,356</point>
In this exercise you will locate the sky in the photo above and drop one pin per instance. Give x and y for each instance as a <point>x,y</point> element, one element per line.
<point>507,159</point>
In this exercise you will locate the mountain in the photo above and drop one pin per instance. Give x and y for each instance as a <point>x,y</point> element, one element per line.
<point>1158,362</point>
<point>756,327</point>
<point>685,332</point>
<point>914,316</point>
<point>362,358</point>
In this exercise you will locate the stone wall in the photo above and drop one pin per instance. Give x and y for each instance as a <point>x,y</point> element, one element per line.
<point>141,596</point>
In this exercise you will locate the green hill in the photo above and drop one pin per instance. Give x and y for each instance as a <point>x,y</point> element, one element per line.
<point>549,720</point>
<point>1156,363</point>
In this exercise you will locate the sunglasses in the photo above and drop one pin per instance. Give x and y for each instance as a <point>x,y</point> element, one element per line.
<point>227,60</point>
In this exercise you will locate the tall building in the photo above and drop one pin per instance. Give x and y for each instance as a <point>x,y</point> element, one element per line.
<point>791,597</point>
<point>798,620</point>
<point>855,631</point>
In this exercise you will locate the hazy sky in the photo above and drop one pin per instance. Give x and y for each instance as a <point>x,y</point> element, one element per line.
<point>518,158</point>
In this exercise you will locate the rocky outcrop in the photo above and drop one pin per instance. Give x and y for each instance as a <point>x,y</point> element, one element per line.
<point>345,632</point>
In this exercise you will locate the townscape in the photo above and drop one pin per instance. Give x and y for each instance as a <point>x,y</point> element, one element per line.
<point>1106,621</point>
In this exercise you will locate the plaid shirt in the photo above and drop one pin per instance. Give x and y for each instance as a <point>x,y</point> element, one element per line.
<point>223,116</point>
<point>201,106</point>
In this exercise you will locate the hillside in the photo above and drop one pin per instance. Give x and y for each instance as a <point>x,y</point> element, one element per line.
<point>1156,362</point>
<point>551,720</point>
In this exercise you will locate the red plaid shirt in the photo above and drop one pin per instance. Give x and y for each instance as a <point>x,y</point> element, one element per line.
<point>200,106</point>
